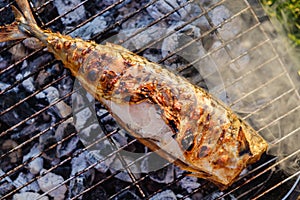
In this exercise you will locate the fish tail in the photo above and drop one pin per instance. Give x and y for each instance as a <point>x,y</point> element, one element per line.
<point>24,26</point>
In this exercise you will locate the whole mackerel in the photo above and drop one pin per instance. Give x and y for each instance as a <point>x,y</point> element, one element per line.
<point>162,110</point>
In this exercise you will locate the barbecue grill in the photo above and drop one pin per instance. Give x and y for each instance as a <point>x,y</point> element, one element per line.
<point>57,142</point>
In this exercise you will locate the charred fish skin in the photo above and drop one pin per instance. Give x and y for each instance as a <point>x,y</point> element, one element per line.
<point>196,131</point>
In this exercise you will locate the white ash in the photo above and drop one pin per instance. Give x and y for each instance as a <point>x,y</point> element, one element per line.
<point>219,14</point>
<point>23,179</point>
<point>3,86</point>
<point>164,175</point>
<point>167,194</point>
<point>163,7</point>
<point>103,161</point>
<point>51,180</point>
<point>79,163</point>
<point>180,196</point>
<point>123,175</point>
<point>34,151</point>
<point>5,188</point>
<point>88,30</point>
<point>81,182</point>
<point>80,99</point>
<point>189,183</point>
<point>180,38</point>
<point>27,83</point>
<point>6,178</point>
<point>140,40</point>
<point>82,118</point>
<point>36,165</point>
<point>3,63</point>
<point>67,147</point>
<point>64,6</point>
<point>52,94</point>
<point>29,195</point>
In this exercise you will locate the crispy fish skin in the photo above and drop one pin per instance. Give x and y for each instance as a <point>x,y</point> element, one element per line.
<point>210,140</point>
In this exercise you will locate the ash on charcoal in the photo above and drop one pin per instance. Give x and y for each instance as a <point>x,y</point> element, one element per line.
<point>81,182</point>
<point>83,118</point>
<point>164,175</point>
<point>51,180</point>
<point>167,195</point>
<point>3,63</point>
<point>88,30</point>
<point>219,14</point>
<point>5,188</point>
<point>178,39</point>
<point>123,175</point>
<point>73,17</point>
<point>189,183</point>
<point>95,156</point>
<point>27,83</point>
<point>36,165</point>
<point>63,110</point>
<point>29,195</point>
<point>163,7</point>
<point>23,179</point>
<point>67,147</point>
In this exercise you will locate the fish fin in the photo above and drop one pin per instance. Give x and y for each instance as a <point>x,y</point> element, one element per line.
<point>11,32</point>
<point>26,13</point>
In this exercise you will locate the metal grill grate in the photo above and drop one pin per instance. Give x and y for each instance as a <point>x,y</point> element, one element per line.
<point>234,53</point>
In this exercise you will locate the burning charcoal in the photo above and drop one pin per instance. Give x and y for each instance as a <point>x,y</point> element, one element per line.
<point>127,195</point>
<point>167,194</point>
<point>88,30</point>
<point>81,182</point>
<point>51,180</point>
<point>189,183</point>
<point>164,175</point>
<point>162,7</point>
<point>68,146</point>
<point>29,195</point>
<point>64,6</point>
<point>23,180</point>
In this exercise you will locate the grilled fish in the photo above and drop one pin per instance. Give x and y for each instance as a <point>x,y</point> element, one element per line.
<point>162,110</point>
